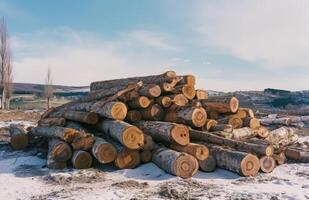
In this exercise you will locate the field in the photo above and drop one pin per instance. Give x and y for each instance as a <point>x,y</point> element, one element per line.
<point>26,177</point>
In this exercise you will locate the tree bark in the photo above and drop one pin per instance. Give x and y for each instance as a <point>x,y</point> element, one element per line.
<point>153,113</point>
<point>295,154</point>
<point>145,156</point>
<point>242,133</point>
<point>235,122</point>
<point>187,90</point>
<point>149,144</point>
<point>139,102</point>
<point>258,149</point>
<point>84,117</point>
<point>221,104</point>
<point>178,99</point>
<point>133,116</point>
<point>52,121</point>
<point>278,121</point>
<point>129,136</point>
<point>81,159</point>
<point>222,127</point>
<point>176,163</point>
<point>251,122</point>
<point>150,90</point>
<point>19,137</point>
<point>262,132</point>
<point>187,79</point>
<point>165,131</point>
<point>208,165</point>
<point>199,151</point>
<point>103,151</point>
<point>267,164</point>
<point>52,164</point>
<point>59,151</point>
<point>244,164</point>
<point>112,110</point>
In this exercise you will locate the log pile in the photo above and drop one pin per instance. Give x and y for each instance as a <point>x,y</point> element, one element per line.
<point>162,119</point>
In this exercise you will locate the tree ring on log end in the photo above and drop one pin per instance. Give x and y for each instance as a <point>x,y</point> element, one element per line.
<point>250,165</point>
<point>268,164</point>
<point>188,91</point>
<point>82,160</point>
<point>155,91</point>
<point>185,166</point>
<point>269,150</point>
<point>106,153</point>
<point>133,138</point>
<point>19,141</point>
<point>254,123</point>
<point>202,152</point>
<point>235,122</point>
<point>61,152</point>
<point>144,102</point>
<point>180,100</point>
<point>127,159</point>
<point>234,104</point>
<point>119,111</point>
<point>199,117</point>
<point>180,134</point>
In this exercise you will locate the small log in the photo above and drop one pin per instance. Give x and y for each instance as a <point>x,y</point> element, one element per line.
<point>59,151</point>
<point>187,79</point>
<point>18,136</point>
<point>150,90</point>
<point>298,119</point>
<point>244,164</point>
<point>242,133</point>
<point>227,135</point>
<point>169,86</point>
<point>83,143</point>
<point>187,90</point>
<point>208,165</point>
<point>251,122</point>
<point>103,151</point>
<point>84,117</point>
<point>112,110</point>
<point>199,151</point>
<point>165,131</point>
<point>179,99</point>
<point>283,136</point>
<point>153,112</point>
<point>139,102</point>
<point>76,126</point>
<point>221,104</point>
<point>176,163</point>
<point>52,164</point>
<point>133,116</point>
<point>279,158</point>
<point>164,101</point>
<point>258,149</point>
<point>244,112</point>
<point>52,121</point>
<point>267,164</point>
<point>145,156</point>
<point>234,121</point>
<point>298,155</point>
<point>126,158</point>
<point>201,94</point>
<point>222,127</point>
<point>210,124</point>
<point>275,121</point>
<point>262,132</point>
<point>213,115</point>
<point>129,136</point>
<point>149,144</point>
<point>81,159</point>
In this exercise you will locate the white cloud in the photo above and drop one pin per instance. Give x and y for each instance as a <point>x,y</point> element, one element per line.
<point>274,34</point>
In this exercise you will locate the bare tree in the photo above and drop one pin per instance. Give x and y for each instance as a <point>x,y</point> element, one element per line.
<point>48,89</point>
<point>5,59</point>
<point>8,83</point>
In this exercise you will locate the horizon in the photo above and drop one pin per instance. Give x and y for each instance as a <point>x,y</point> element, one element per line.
<point>228,46</point>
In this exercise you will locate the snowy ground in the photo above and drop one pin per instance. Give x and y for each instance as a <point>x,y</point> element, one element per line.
<point>23,175</point>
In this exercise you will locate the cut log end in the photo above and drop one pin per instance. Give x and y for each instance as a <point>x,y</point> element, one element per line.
<point>208,165</point>
<point>250,165</point>
<point>61,152</point>
<point>255,123</point>
<point>133,138</point>
<point>185,166</point>
<point>267,163</point>
<point>188,91</point>
<point>19,141</point>
<point>170,74</point>
<point>269,150</point>
<point>164,101</point>
<point>83,143</point>
<point>81,160</point>
<point>234,104</point>
<point>180,100</point>
<point>199,117</point>
<point>154,91</point>
<point>127,159</point>
<point>119,111</point>
<point>180,134</point>
<point>201,152</point>
<point>106,153</point>
<point>210,124</point>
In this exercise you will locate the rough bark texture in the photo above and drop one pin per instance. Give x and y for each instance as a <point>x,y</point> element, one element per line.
<point>84,117</point>
<point>165,131</point>
<point>176,163</point>
<point>244,164</point>
<point>18,137</point>
<point>221,104</point>
<point>145,156</point>
<point>277,121</point>
<point>128,135</point>
<point>236,122</point>
<point>133,116</point>
<point>262,132</point>
<point>209,164</point>
<point>242,133</point>
<point>59,151</point>
<point>222,127</point>
<point>199,151</point>
<point>267,164</point>
<point>187,79</point>
<point>164,101</point>
<point>112,110</point>
<point>297,154</point>
<point>258,149</point>
<point>149,144</point>
<point>81,159</point>
<point>103,151</point>
<point>187,90</point>
<point>126,158</point>
<point>201,94</point>
<point>52,164</point>
<point>52,121</point>
<point>153,113</point>
<point>251,122</point>
<point>210,124</point>
<point>139,102</point>
<point>150,90</point>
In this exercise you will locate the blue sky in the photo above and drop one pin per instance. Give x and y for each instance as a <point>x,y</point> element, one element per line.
<point>228,45</point>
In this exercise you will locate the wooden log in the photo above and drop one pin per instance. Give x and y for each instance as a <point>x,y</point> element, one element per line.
<point>18,137</point>
<point>178,99</point>
<point>165,131</point>
<point>153,79</point>
<point>222,127</point>
<point>112,110</point>
<point>129,136</point>
<point>251,122</point>
<point>145,156</point>
<point>283,136</point>
<point>208,165</point>
<point>83,143</point>
<point>75,125</point>
<point>150,90</point>
<point>279,158</point>
<point>187,79</point>
<point>169,86</point>
<point>129,96</point>
<point>149,144</point>
<point>52,164</point>
<point>244,164</point>
<point>234,121</point>
<point>164,101</point>
<point>267,164</point>
<point>58,150</point>
<point>199,151</point>
<point>81,159</point>
<point>187,90</point>
<point>201,94</point>
<point>153,112</point>
<point>126,158</point>
<point>210,123</point>
<point>244,112</point>
<point>298,119</point>
<point>262,132</point>
<point>275,121</point>
<point>176,163</point>
<point>213,115</point>
<point>298,155</point>
<point>103,151</point>
<point>133,116</point>
<point>139,102</point>
<point>242,133</point>
<point>227,135</point>
<point>52,121</point>
<point>83,117</point>
<point>258,149</point>
<point>221,104</point>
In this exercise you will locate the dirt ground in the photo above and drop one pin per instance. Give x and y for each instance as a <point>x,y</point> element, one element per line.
<point>23,175</point>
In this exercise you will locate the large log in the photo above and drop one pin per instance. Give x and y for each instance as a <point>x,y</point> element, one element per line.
<point>150,90</point>
<point>76,126</point>
<point>103,151</point>
<point>112,110</point>
<point>139,102</point>
<point>251,122</point>
<point>187,90</point>
<point>208,165</point>
<point>128,135</point>
<point>164,101</point>
<point>84,117</point>
<point>187,79</point>
<point>153,112</point>
<point>242,133</point>
<point>267,164</point>
<point>244,164</point>
<point>176,163</point>
<point>126,158</point>
<point>81,159</point>
<point>153,79</point>
<point>165,131</point>
<point>58,150</point>
<point>221,104</point>
<point>52,121</point>
<point>258,149</point>
<point>133,116</point>
<point>18,137</point>
<point>201,94</point>
<point>296,154</point>
<point>199,151</point>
